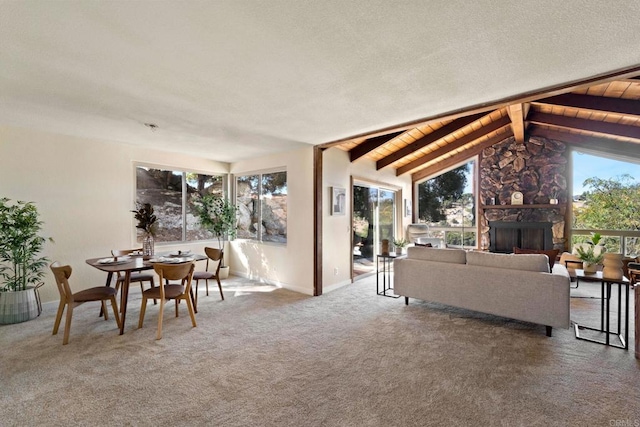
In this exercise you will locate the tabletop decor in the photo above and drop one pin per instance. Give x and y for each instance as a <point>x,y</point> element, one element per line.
<point>400,244</point>
<point>591,253</point>
<point>147,222</point>
<point>21,266</point>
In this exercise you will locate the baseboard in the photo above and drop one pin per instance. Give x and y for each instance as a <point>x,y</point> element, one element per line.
<point>331,288</point>
<point>301,290</point>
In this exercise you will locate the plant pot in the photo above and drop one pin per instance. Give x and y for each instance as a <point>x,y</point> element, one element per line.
<point>224,272</point>
<point>19,306</point>
<point>589,268</point>
<point>398,251</point>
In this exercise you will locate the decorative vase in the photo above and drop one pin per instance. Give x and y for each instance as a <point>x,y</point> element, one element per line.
<point>385,247</point>
<point>398,250</point>
<point>19,306</point>
<point>148,245</point>
<point>589,268</point>
<point>612,266</point>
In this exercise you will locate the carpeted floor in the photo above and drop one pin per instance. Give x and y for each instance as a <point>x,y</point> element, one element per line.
<point>272,357</point>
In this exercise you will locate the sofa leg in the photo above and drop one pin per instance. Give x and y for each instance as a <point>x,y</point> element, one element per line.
<point>406,300</point>
<point>549,328</point>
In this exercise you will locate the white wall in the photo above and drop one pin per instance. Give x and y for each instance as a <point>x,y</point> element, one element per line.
<point>336,233</point>
<point>290,265</point>
<point>84,190</point>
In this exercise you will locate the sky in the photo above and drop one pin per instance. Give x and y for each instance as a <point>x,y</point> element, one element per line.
<point>588,166</point>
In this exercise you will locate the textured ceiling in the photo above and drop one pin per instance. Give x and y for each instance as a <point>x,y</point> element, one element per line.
<point>230,80</point>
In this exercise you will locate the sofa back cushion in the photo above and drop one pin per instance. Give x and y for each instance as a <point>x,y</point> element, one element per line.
<point>453,256</point>
<point>552,254</point>
<point>526,262</point>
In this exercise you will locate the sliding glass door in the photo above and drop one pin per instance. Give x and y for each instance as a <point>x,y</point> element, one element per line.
<point>374,219</point>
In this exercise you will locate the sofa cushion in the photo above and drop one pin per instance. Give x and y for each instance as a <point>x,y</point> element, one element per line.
<point>526,262</point>
<point>453,256</point>
<point>552,254</point>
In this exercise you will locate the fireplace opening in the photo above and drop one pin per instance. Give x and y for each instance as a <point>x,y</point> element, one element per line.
<point>505,235</point>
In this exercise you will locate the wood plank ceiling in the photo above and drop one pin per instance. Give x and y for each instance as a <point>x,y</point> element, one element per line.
<point>603,117</point>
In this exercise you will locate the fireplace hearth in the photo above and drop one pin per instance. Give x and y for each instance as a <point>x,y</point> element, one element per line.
<point>505,235</point>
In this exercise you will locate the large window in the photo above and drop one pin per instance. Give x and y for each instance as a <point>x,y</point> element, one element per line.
<point>447,204</point>
<point>262,206</point>
<point>172,194</point>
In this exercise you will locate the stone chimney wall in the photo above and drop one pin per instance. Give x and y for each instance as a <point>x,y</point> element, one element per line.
<point>538,169</point>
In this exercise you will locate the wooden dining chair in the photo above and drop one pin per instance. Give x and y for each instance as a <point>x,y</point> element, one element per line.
<point>214,256</point>
<point>70,300</point>
<point>170,291</point>
<point>136,276</point>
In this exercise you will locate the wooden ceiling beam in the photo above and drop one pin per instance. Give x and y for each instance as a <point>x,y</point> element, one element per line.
<point>584,124</point>
<point>605,104</point>
<point>437,134</point>
<point>518,113</point>
<point>371,144</point>
<point>459,158</point>
<point>479,133</point>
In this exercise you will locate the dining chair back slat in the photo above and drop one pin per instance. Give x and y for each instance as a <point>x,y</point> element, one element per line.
<point>167,291</point>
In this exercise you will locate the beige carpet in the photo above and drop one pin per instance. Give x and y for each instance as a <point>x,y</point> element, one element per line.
<point>267,357</point>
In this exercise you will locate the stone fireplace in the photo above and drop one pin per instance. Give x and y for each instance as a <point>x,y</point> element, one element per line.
<point>538,169</point>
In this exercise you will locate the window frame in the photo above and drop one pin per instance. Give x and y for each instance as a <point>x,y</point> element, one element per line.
<point>183,171</point>
<point>234,179</point>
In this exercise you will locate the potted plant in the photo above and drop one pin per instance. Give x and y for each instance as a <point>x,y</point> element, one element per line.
<point>399,245</point>
<point>591,253</point>
<point>21,266</point>
<point>218,215</point>
<point>147,222</point>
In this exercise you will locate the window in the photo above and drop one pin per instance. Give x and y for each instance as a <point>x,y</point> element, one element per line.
<point>447,204</point>
<point>172,193</point>
<point>262,206</point>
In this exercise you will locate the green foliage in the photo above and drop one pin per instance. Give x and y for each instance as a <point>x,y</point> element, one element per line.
<point>611,204</point>
<point>20,244</point>
<point>595,238</point>
<point>400,243</point>
<point>146,219</point>
<point>218,215</point>
<point>440,192</point>
<point>589,255</point>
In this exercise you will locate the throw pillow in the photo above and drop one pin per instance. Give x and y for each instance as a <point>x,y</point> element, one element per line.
<point>426,245</point>
<point>552,254</point>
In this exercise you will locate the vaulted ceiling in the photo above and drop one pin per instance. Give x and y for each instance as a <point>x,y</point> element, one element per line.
<point>231,80</point>
<point>602,117</point>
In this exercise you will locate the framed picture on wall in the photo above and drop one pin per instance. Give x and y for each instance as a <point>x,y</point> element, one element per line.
<point>407,207</point>
<point>338,200</point>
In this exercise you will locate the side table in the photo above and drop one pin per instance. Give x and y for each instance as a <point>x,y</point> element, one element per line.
<point>605,327</point>
<point>387,264</point>
<point>634,280</point>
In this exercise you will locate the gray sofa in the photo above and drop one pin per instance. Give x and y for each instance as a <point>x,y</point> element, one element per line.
<point>515,286</point>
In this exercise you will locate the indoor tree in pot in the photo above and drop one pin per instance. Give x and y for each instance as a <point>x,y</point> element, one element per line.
<point>21,267</point>
<point>218,215</point>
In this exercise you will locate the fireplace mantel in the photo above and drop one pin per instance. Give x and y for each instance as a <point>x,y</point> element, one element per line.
<point>543,206</point>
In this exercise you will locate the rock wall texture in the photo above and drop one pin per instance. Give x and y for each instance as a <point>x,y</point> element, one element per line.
<point>538,169</point>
